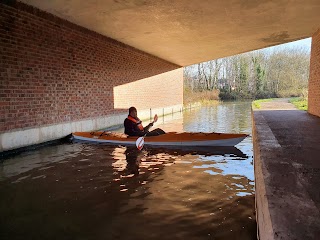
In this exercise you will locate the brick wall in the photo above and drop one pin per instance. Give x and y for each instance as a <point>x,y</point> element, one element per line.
<point>314,79</point>
<point>52,71</point>
<point>161,90</point>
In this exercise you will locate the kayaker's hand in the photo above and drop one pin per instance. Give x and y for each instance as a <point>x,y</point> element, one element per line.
<point>155,118</point>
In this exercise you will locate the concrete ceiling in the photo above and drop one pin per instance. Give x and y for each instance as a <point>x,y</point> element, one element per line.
<point>185,32</point>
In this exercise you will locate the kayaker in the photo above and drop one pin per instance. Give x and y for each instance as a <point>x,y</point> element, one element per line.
<point>133,125</point>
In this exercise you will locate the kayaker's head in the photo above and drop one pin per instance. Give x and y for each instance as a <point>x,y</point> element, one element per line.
<point>133,112</point>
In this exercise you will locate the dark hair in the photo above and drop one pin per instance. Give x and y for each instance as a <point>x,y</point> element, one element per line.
<point>132,109</point>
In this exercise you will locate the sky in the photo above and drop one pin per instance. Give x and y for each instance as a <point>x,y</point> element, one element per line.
<point>304,43</point>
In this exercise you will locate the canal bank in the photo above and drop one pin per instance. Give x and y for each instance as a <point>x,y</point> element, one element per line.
<point>287,171</point>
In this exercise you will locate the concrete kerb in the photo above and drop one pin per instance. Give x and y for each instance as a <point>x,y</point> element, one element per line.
<point>263,218</point>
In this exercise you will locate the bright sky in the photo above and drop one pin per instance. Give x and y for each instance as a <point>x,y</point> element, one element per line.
<point>304,43</point>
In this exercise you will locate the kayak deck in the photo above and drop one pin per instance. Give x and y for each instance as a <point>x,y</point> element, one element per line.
<point>168,139</point>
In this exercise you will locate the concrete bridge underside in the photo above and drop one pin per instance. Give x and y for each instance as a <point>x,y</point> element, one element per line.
<point>186,32</point>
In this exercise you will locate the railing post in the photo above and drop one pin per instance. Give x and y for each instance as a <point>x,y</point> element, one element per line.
<point>163,115</point>
<point>150,114</point>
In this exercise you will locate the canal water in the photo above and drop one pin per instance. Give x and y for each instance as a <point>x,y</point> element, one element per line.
<point>89,191</point>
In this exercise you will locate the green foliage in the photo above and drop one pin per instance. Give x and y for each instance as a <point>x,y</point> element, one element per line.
<point>300,103</point>
<point>290,93</point>
<point>228,95</point>
<point>265,95</point>
<point>254,75</point>
<point>243,75</point>
<point>259,76</point>
<point>234,95</point>
<point>256,103</point>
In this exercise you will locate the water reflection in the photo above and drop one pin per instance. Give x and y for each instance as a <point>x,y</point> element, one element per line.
<point>133,157</point>
<point>97,191</point>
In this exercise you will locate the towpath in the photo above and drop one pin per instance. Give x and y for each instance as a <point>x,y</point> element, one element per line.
<point>287,171</point>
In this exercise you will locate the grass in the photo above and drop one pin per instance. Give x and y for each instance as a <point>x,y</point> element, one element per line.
<point>256,103</point>
<point>300,103</point>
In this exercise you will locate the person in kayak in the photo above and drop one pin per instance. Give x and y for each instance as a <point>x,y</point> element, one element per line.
<point>133,125</point>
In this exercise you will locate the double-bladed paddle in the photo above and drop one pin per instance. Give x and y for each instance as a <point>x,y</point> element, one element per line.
<point>140,140</point>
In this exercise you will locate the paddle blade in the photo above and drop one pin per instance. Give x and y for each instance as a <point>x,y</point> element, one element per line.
<point>140,143</point>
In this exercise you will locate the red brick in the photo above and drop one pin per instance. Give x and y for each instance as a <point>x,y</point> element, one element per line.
<point>314,79</point>
<point>64,72</point>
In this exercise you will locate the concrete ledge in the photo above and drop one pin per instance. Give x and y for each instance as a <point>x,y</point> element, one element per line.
<point>287,172</point>
<point>26,137</point>
<point>265,229</point>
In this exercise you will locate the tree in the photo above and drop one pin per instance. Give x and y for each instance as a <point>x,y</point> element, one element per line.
<point>257,74</point>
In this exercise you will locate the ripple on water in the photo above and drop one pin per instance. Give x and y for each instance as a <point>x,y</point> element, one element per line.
<point>156,193</point>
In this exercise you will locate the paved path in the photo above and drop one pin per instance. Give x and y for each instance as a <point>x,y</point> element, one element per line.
<point>287,171</point>
<point>278,104</point>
